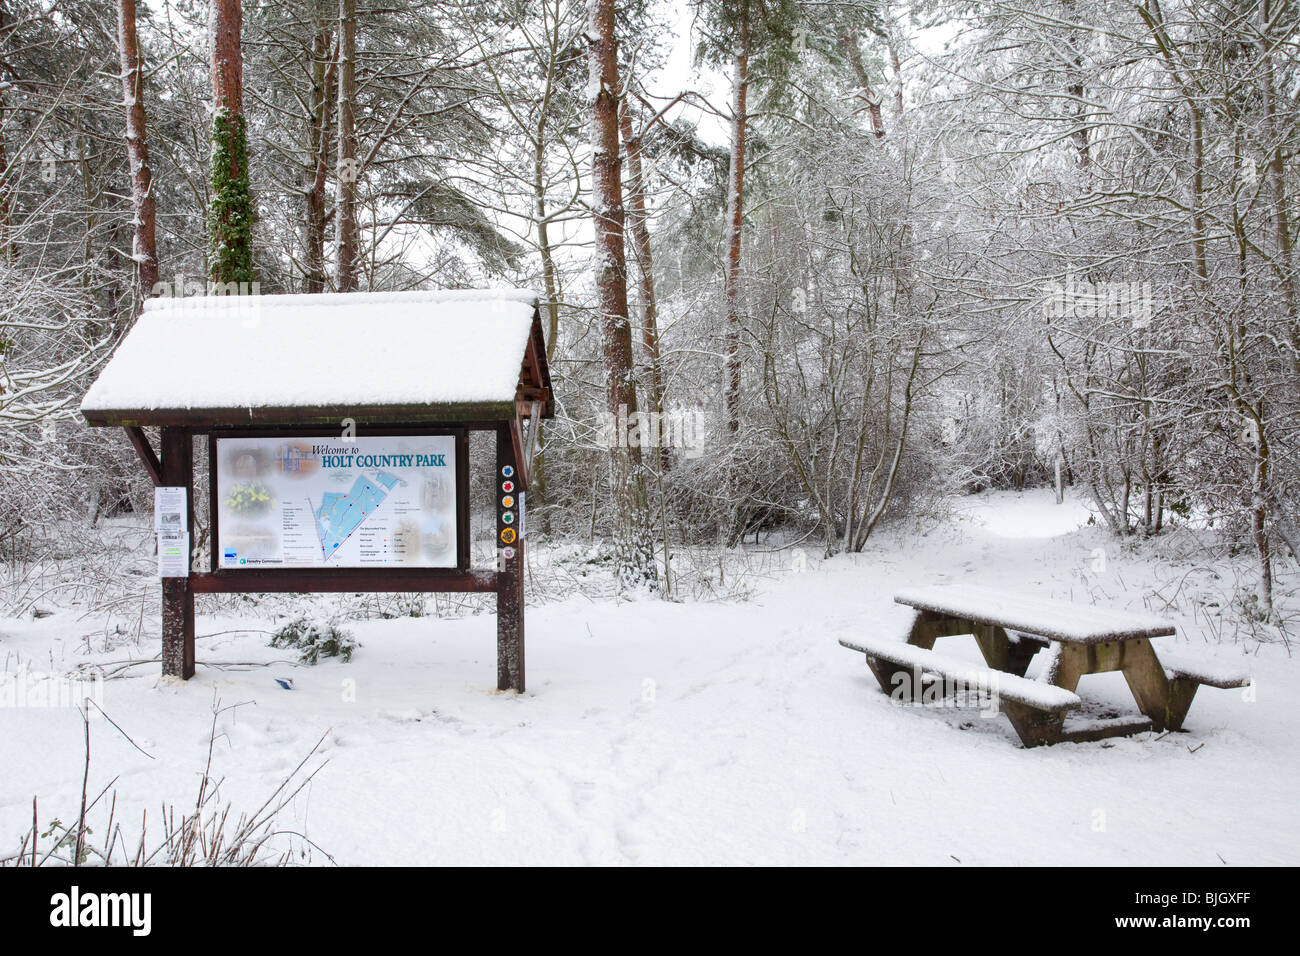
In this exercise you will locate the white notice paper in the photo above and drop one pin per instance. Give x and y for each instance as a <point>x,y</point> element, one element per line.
<point>521,514</point>
<point>173,555</point>
<point>169,511</point>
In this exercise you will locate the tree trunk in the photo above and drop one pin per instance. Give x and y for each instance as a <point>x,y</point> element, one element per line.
<point>634,548</point>
<point>1076,90</point>
<point>897,67</point>
<point>6,201</point>
<point>144,248</point>
<point>348,171</point>
<point>324,79</point>
<point>639,221</point>
<point>735,215</point>
<point>1259,523</point>
<point>849,41</point>
<point>1276,172</point>
<point>230,217</point>
<point>227,55</point>
<point>550,280</point>
<point>551,289</point>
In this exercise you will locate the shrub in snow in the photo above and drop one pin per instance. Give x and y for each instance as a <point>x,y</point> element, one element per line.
<point>406,605</point>
<point>1250,607</point>
<point>314,640</point>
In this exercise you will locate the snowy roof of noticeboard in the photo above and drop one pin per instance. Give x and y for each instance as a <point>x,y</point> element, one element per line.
<point>284,359</point>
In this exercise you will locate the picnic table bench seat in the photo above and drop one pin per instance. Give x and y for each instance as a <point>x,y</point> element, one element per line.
<point>1210,673</point>
<point>1022,690</point>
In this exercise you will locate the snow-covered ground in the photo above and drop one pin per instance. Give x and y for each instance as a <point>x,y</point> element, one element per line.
<point>723,732</point>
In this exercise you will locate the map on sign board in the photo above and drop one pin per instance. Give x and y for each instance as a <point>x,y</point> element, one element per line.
<point>331,502</point>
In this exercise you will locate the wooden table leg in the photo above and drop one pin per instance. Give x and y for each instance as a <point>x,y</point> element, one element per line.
<point>1034,727</point>
<point>1181,692</point>
<point>1164,701</point>
<point>1001,652</point>
<point>1069,663</point>
<point>927,627</point>
<point>890,675</point>
<point>1136,660</point>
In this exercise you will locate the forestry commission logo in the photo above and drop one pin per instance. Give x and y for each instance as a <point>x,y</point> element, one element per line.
<point>123,910</point>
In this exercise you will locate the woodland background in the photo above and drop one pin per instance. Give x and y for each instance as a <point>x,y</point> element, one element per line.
<point>885,253</point>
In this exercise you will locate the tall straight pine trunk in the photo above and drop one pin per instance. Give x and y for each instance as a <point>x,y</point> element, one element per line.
<point>6,175</point>
<point>736,215</point>
<point>633,544</point>
<point>144,247</point>
<point>349,170</point>
<point>639,223</point>
<point>551,308</point>
<point>324,78</point>
<point>731,525</point>
<point>230,215</point>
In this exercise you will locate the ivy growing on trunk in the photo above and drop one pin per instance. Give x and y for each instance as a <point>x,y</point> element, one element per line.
<point>230,216</point>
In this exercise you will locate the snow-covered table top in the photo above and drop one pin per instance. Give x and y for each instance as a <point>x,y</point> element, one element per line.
<point>1056,620</point>
<point>407,349</point>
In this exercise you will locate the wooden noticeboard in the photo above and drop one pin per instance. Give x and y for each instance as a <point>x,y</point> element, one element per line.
<point>509,394</point>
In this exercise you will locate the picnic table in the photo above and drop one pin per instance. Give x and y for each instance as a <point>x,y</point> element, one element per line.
<point>1010,630</point>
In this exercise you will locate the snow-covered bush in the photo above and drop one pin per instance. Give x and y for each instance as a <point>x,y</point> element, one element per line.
<point>315,640</point>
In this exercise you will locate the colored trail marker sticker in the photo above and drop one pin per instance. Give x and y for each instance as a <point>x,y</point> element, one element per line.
<point>508,535</point>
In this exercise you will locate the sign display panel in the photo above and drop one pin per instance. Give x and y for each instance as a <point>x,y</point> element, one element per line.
<point>327,502</point>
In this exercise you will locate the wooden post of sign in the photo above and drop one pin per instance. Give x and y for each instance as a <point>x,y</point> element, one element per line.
<point>177,595</point>
<point>510,569</point>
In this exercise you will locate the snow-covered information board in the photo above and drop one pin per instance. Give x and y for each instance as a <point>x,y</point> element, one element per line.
<point>333,502</point>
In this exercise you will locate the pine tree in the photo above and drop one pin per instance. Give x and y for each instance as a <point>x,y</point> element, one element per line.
<point>144,247</point>
<point>349,240</point>
<point>634,547</point>
<point>757,40</point>
<point>230,214</point>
